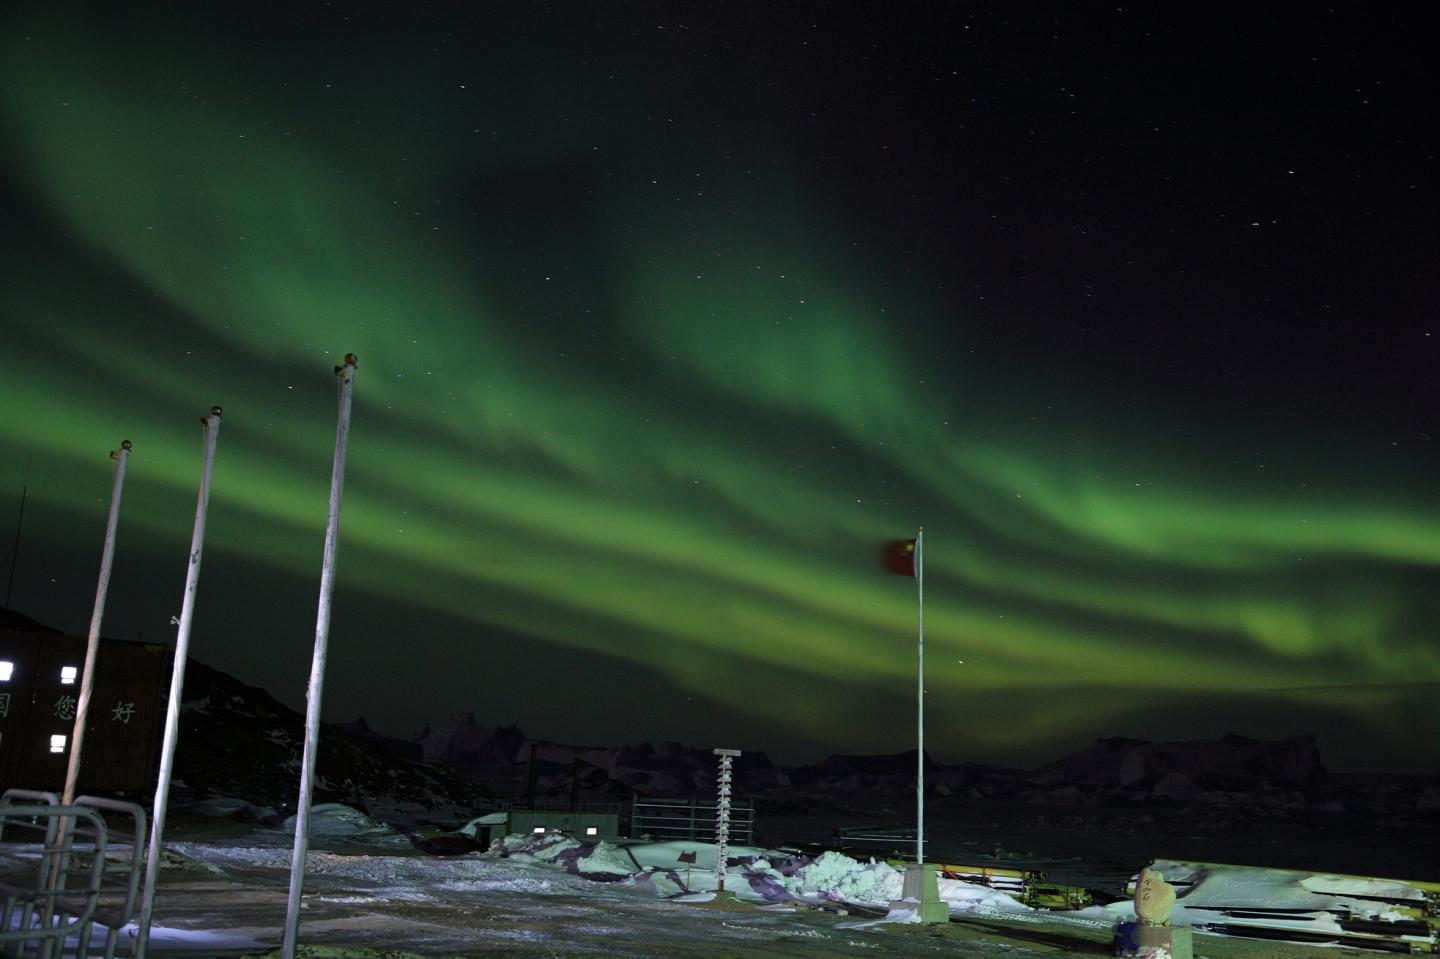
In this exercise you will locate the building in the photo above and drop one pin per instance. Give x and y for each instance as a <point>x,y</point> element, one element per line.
<point>582,820</point>
<point>585,820</point>
<point>39,687</point>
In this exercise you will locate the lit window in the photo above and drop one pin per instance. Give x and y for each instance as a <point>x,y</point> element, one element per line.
<point>7,669</point>
<point>57,743</point>
<point>538,829</point>
<point>591,831</point>
<point>67,675</point>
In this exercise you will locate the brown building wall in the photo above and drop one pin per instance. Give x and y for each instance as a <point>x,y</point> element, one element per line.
<point>126,710</point>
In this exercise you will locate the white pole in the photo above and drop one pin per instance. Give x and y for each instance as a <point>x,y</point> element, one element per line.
<point>92,646</point>
<point>177,686</point>
<point>722,819</point>
<point>920,704</point>
<point>317,663</point>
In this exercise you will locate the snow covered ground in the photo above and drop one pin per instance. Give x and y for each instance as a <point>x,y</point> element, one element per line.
<point>368,888</point>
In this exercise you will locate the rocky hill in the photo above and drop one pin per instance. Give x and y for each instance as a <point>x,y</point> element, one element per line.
<point>1230,770</point>
<point>239,741</point>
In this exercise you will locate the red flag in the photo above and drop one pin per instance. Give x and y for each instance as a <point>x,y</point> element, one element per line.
<point>899,557</point>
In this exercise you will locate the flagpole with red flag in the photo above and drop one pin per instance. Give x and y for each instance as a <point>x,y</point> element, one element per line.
<point>920,702</point>
<point>905,558</point>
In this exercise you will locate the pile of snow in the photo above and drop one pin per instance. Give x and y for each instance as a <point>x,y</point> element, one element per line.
<point>971,897</point>
<point>472,828</point>
<point>603,861</point>
<point>838,877</point>
<point>753,874</point>
<point>222,807</point>
<point>338,821</point>
<point>663,855</point>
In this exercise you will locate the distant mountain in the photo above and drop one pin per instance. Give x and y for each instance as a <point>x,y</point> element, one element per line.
<point>360,729</point>
<point>18,621</point>
<point>1231,770</point>
<point>1229,764</point>
<point>239,741</point>
<point>465,744</point>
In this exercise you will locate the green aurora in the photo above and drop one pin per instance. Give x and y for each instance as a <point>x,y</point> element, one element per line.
<point>633,414</point>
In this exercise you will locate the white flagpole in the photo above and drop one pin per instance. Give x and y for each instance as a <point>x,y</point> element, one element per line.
<point>920,703</point>
<point>317,663</point>
<point>177,686</point>
<point>92,646</point>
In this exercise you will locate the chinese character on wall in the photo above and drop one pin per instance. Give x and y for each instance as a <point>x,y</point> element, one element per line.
<point>65,707</point>
<point>4,705</point>
<point>122,712</point>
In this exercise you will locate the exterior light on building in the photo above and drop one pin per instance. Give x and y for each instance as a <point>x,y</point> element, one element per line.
<point>591,831</point>
<point>538,830</point>
<point>7,669</point>
<point>67,675</point>
<point>57,743</point>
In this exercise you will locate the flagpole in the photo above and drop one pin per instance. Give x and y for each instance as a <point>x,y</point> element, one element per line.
<point>177,688</point>
<point>317,663</point>
<point>920,703</point>
<point>92,645</point>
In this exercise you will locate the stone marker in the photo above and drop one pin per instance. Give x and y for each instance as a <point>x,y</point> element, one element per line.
<point>1154,898</point>
<point>1151,935</point>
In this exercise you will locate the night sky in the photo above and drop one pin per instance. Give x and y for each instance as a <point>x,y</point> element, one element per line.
<point>669,315</point>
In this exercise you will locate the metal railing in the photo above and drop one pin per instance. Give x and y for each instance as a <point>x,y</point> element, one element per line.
<point>897,837</point>
<point>58,884</point>
<point>691,819</point>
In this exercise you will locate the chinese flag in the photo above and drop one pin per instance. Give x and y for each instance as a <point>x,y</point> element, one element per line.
<point>899,557</point>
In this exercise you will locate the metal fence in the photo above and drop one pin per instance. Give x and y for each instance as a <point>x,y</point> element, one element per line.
<point>691,819</point>
<point>886,837</point>
<point>58,883</point>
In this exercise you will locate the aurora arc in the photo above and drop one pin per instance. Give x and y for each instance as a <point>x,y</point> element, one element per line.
<point>665,421</point>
